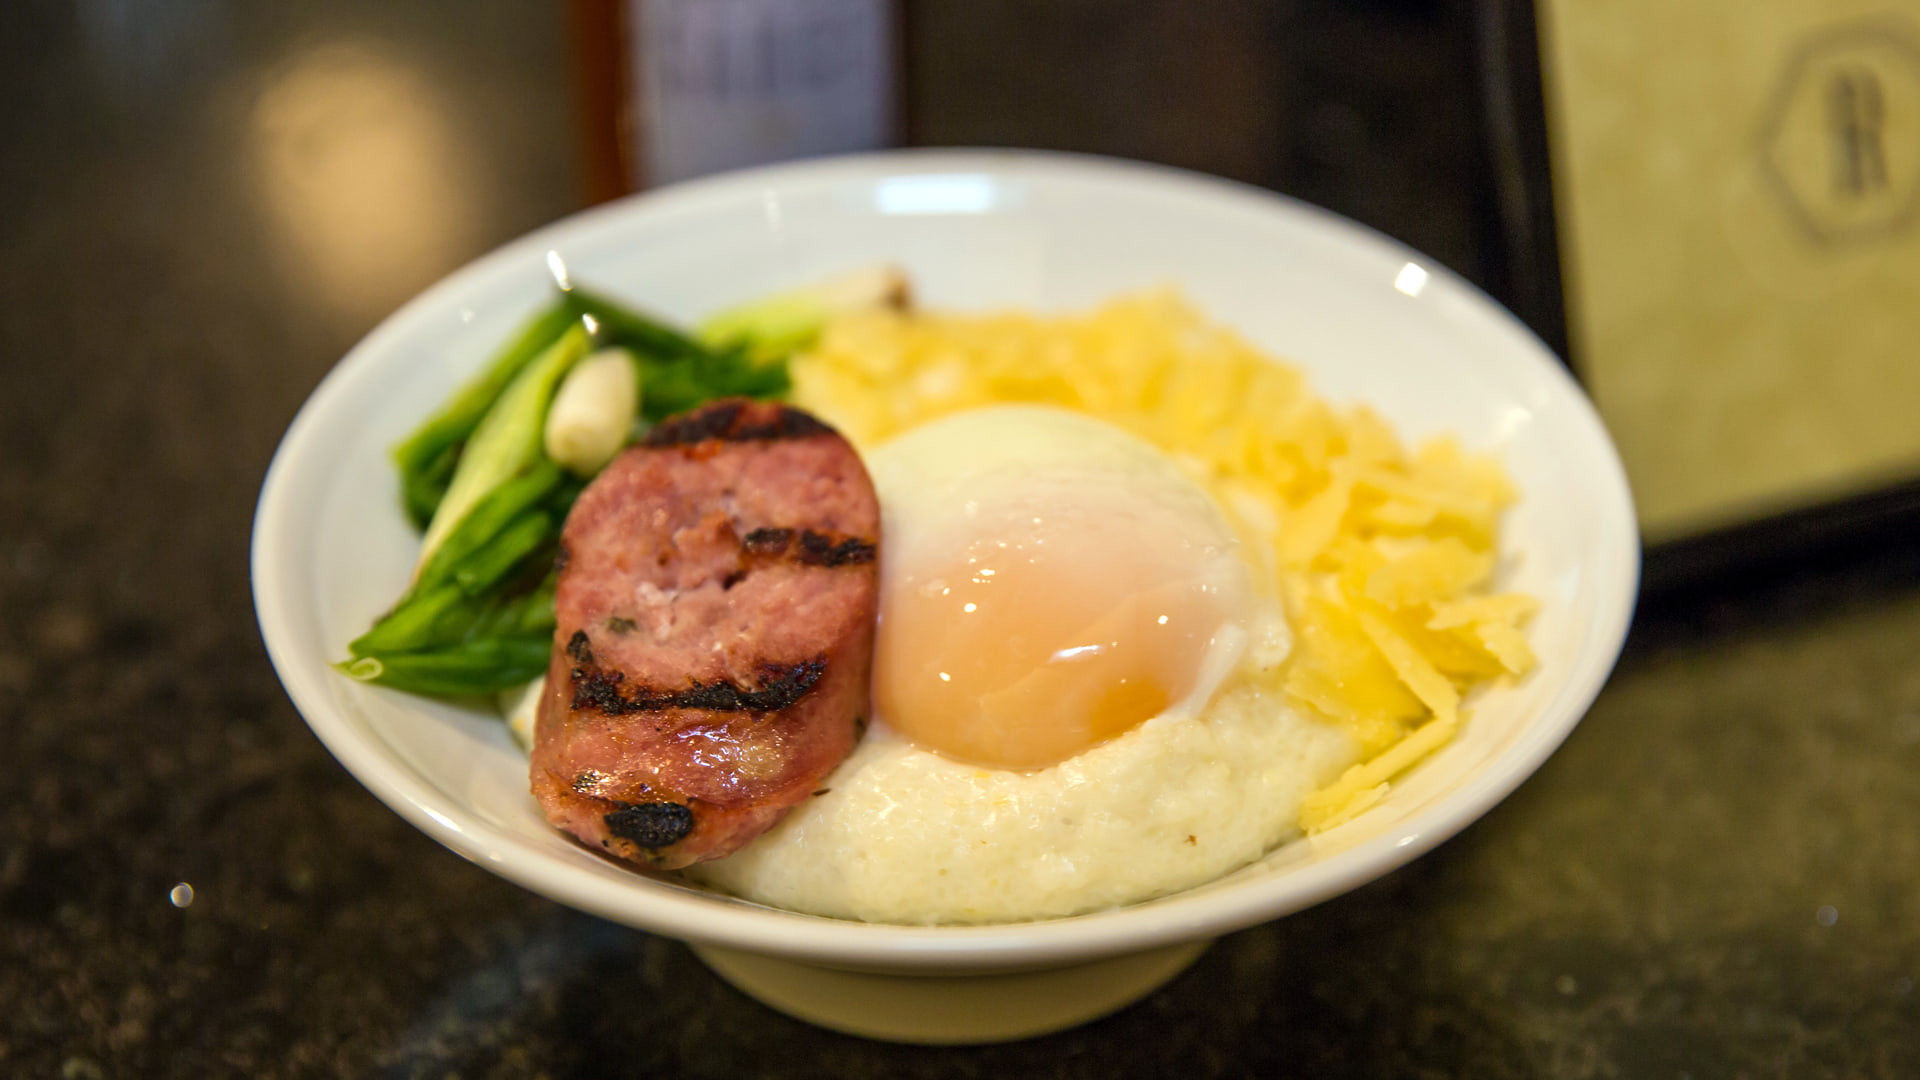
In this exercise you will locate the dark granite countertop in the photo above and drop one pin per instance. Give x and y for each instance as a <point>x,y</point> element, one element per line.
<point>1716,877</point>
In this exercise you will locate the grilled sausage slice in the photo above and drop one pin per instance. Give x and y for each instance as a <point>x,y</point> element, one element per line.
<point>716,605</point>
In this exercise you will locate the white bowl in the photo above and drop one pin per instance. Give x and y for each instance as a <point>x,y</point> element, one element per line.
<point>1371,321</point>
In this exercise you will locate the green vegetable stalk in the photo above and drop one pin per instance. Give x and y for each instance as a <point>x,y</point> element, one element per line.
<point>484,475</point>
<point>775,327</point>
<point>426,459</point>
<point>507,440</point>
<point>623,325</point>
<point>470,624</point>
<point>485,666</point>
<point>513,499</point>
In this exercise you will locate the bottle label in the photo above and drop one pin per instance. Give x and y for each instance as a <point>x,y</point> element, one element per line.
<point>1739,194</point>
<point>722,84</point>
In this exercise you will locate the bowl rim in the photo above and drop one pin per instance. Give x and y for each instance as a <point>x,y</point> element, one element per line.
<point>670,911</point>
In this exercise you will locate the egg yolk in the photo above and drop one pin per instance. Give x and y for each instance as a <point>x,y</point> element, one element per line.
<point>1033,635</point>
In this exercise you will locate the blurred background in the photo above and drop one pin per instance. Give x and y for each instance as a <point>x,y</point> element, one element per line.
<point>1708,209</point>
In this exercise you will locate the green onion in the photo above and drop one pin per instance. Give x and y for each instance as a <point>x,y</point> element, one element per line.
<point>519,616</point>
<point>482,666</point>
<point>426,458</point>
<point>644,334</point>
<point>507,440</point>
<point>479,616</point>
<point>774,327</point>
<point>422,619</point>
<point>486,520</point>
<point>521,538</point>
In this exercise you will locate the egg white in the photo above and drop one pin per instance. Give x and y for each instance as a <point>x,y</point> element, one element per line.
<point>947,479</point>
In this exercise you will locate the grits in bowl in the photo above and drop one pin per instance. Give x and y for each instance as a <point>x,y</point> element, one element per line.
<point>909,836</point>
<point>1256,610</point>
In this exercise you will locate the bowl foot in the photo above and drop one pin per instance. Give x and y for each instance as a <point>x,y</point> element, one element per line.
<point>950,1009</point>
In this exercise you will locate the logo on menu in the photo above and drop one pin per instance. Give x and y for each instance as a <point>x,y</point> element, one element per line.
<point>1840,138</point>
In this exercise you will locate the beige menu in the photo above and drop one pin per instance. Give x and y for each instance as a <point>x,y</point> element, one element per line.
<point>1738,184</point>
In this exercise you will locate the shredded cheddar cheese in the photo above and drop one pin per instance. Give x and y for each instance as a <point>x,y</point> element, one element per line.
<point>1384,556</point>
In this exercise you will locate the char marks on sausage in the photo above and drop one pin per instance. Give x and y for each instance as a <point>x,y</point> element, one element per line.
<point>715,630</point>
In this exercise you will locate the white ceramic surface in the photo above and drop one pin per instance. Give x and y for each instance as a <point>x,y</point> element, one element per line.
<point>1370,320</point>
<point>946,1010</point>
